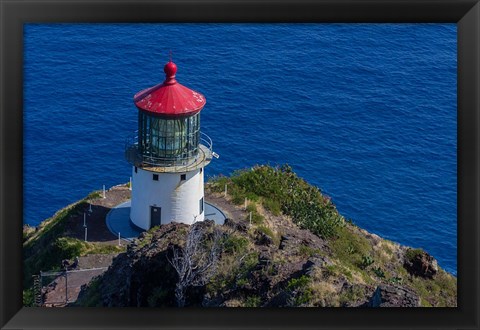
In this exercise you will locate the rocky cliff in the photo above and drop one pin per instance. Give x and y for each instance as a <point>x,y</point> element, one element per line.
<point>287,247</point>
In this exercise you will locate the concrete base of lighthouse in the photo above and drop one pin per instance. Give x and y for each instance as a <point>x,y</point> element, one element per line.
<point>119,223</point>
<point>160,198</point>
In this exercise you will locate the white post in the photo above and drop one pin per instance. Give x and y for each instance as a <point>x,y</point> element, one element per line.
<point>130,188</point>
<point>90,208</point>
<point>245,203</point>
<point>84,219</point>
<point>250,218</point>
<point>104,196</point>
<point>85,234</point>
<point>119,243</point>
<point>225,190</point>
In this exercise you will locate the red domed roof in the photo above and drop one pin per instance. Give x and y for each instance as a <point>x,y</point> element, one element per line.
<point>170,98</point>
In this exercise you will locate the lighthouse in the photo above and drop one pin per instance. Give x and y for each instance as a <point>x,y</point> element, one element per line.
<point>168,154</point>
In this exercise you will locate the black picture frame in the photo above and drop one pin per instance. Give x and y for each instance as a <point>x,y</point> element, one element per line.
<point>466,13</point>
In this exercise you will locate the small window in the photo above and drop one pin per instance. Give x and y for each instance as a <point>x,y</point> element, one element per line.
<point>136,169</point>
<point>155,177</point>
<point>183,177</point>
<point>201,205</point>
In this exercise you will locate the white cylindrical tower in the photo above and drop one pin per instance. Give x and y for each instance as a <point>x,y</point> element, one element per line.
<point>168,154</point>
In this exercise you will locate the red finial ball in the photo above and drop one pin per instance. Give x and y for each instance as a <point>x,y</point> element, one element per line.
<point>170,69</point>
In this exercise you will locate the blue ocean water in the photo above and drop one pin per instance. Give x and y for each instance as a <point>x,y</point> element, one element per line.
<point>367,112</point>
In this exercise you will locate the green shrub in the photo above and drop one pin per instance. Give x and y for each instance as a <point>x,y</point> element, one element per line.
<point>351,249</point>
<point>251,207</point>
<point>298,283</point>
<point>411,254</point>
<point>251,197</point>
<point>299,288</point>
<point>248,264</point>
<point>267,231</point>
<point>379,272</point>
<point>68,248</point>
<point>238,198</point>
<point>217,183</point>
<point>241,282</point>
<point>28,298</point>
<point>253,301</point>
<point>366,261</point>
<point>285,191</point>
<point>235,244</point>
<point>396,280</point>
<point>330,270</point>
<point>257,218</point>
<point>96,194</point>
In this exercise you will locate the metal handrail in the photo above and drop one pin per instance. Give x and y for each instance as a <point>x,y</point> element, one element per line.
<point>183,162</point>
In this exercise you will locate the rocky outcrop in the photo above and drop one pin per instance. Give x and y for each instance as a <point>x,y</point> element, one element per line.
<point>393,296</point>
<point>275,264</point>
<point>263,239</point>
<point>236,225</point>
<point>420,263</point>
<point>142,276</point>
<point>315,263</point>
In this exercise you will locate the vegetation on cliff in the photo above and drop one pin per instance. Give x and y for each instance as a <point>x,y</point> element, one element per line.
<point>296,251</point>
<point>45,246</point>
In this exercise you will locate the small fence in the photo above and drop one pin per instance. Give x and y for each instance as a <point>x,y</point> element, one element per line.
<point>60,288</point>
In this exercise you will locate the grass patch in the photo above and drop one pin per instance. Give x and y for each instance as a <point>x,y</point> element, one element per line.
<point>235,244</point>
<point>47,247</point>
<point>300,289</point>
<point>242,282</point>
<point>251,207</point>
<point>438,292</point>
<point>352,294</point>
<point>232,270</point>
<point>282,190</point>
<point>273,206</point>
<point>28,298</point>
<point>350,248</point>
<point>257,218</point>
<point>324,294</point>
<point>308,251</point>
<point>411,254</point>
<point>379,272</point>
<point>267,231</point>
<point>253,301</point>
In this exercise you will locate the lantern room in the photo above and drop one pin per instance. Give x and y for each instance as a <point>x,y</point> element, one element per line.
<point>168,153</point>
<point>168,125</point>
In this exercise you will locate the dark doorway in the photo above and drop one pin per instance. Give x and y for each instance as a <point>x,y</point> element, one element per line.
<point>155,216</point>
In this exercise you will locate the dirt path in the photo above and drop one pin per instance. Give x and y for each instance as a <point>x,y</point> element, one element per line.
<point>230,210</point>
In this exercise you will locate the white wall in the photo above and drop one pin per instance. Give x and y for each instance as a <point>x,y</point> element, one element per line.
<point>178,199</point>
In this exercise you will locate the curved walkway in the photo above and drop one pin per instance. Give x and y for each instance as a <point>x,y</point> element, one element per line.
<point>118,219</point>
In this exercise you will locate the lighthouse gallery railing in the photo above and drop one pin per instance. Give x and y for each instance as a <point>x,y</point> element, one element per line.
<point>182,162</point>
